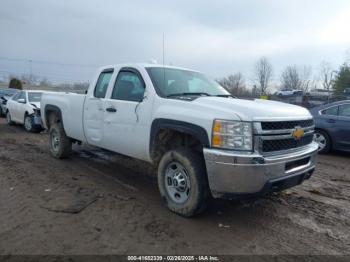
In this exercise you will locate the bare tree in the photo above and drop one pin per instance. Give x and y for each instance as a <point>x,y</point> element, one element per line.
<point>263,73</point>
<point>305,74</point>
<point>290,78</point>
<point>235,84</point>
<point>326,74</point>
<point>294,78</point>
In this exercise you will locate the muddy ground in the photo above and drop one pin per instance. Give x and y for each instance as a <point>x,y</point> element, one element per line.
<point>101,203</point>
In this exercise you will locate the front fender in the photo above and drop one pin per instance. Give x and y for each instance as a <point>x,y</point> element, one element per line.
<point>180,126</point>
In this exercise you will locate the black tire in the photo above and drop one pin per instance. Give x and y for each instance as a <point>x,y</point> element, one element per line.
<point>323,149</point>
<point>9,119</point>
<point>1,113</point>
<point>29,124</point>
<point>60,145</point>
<point>194,167</point>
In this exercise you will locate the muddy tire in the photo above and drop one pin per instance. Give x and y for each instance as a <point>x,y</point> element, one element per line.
<point>323,140</point>
<point>182,182</point>
<point>29,124</point>
<point>60,145</point>
<point>8,118</point>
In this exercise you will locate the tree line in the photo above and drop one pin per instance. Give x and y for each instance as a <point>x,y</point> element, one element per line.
<point>293,77</point>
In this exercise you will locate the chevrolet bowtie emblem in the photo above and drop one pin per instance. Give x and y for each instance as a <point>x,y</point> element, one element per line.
<point>298,133</point>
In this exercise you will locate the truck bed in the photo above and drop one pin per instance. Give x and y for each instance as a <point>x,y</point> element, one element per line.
<point>71,106</point>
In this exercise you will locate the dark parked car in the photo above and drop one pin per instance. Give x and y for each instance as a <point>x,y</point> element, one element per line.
<point>5,95</point>
<point>332,126</point>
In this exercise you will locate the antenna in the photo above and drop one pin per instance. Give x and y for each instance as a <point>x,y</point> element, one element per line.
<point>163,49</point>
<point>163,61</point>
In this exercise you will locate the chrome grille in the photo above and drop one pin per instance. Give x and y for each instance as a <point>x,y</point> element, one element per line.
<point>285,144</point>
<point>276,136</point>
<point>286,124</point>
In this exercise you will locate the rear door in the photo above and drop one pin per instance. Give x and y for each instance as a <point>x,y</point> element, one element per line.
<point>94,109</point>
<point>11,104</point>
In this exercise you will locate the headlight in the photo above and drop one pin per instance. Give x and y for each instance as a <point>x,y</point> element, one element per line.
<point>232,135</point>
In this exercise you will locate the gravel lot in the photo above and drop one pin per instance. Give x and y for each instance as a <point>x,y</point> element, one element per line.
<point>101,203</point>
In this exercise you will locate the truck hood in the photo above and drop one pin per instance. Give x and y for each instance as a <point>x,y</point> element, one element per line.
<point>254,110</point>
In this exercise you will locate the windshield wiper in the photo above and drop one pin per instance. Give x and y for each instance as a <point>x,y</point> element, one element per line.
<point>226,95</point>
<point>189,94</point>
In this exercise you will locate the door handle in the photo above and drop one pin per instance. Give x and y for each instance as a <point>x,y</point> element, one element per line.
<point>111,109</point>
<point>330,121</point>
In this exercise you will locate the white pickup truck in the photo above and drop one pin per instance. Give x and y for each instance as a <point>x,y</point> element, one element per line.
<point>203,141</point>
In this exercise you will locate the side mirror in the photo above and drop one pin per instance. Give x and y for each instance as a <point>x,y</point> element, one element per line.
<point>21,100</point>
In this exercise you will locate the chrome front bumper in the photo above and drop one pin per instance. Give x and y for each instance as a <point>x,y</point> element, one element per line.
<point>233,174</point>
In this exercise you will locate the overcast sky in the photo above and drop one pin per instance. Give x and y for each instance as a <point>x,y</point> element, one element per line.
<point>218,37</point>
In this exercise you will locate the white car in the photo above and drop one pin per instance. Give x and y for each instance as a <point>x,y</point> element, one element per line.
<point>24,108</point>
<point>289,92</point>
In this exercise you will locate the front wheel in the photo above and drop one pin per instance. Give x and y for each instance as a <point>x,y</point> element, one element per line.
<point>60,145</point>
<point>29,124</point>
<point>323,140</point>
<point>182,182</point>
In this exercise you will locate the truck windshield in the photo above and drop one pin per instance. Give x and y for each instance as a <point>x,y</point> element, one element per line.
<point>170,82</point>
<point>34,97</point>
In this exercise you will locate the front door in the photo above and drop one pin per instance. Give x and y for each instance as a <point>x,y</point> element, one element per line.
<point>94,109</point>
<point>127,115</point>
<point>19,108</point>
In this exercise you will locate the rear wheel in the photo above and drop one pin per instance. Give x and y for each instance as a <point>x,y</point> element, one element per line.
<point>60,145</point>
<point>182,181</point>
<point>8,118</point>
<point>323,140</point>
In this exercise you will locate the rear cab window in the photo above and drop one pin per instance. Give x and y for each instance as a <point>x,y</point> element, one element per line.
<point>102,83</point>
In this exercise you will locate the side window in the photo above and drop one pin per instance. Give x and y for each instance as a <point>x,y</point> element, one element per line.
<point>15,97</point>
<point>102,84</point>
<point>128,86</point>
<point>344,110</point>
<point>22,95</point>
<point>333,111</point>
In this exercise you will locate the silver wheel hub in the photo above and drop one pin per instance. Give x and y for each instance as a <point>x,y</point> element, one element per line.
<point>55,141</point>
<point>320,140</point>
<point>177,182</point>
<point>28,123</point>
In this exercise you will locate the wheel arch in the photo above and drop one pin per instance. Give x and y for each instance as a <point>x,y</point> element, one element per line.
<point>195,133</point>
<point>48,111</point>
<point>25,114</point>
<point>328,134</point>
